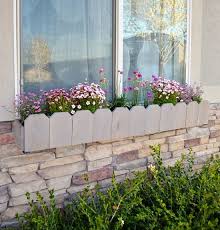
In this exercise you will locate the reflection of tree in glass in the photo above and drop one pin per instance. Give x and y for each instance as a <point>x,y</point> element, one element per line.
<point>163,21</point>
<point>40,58</point>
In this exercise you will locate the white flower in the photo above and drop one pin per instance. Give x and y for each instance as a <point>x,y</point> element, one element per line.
<point>72,112</point>
<point>79,107</point>
<point>167,97</point>
<point>73,106</point>
<point>60,107</point>
<point>88,103</point>
<point>93,102</point>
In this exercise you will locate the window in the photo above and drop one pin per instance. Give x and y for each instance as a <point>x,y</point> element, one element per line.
<point>65,42</point>
<point>154,38</point>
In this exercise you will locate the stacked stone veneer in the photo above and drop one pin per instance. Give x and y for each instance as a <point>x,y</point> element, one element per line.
<point>65,169</point>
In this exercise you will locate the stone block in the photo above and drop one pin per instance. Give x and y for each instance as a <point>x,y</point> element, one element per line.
<point>126,148</point>
<point>7,138</point>
<point>9,150</point>
<point>145,152</point>
<point>78,188</point>
<point>132,164</point>
<point>62,161</point>
<point>21,189</point>
<point>96,152</point>
<point>5,127</point>
<point>141,138</point>
<point>127,156</point>
<point>24,178</point>
<point>180,131</point>
<point>64,170</point>
<point>97,164</point>
<point>162,135</point>
<point>59,183</point>
<point>4,179</point>
<point>70,150</point>
<point>10,213</point>
<point>3,207</point>
<point>197,132</point>
<point>176,146</point>
<point>93,176</point>
<point>26,159</point>
<point>191,142</point>
<point>24,169</point>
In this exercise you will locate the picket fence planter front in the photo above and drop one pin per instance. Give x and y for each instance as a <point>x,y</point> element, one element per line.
<point>61,129</point>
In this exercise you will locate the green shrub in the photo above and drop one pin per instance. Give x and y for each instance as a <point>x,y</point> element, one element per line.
<point>158,198</point>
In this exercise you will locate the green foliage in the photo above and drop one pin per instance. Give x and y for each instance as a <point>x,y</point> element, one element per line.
<point>161,99</point>
<point>158,198</point>
<point>119,102</point>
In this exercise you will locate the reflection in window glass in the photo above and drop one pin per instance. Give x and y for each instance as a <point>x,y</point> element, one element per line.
<point>154,38</point>
<point>65,42</point>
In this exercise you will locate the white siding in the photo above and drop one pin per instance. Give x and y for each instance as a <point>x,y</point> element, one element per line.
<point>7,80</point>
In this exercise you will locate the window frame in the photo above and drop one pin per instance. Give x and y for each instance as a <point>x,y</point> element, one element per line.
<point>117,46</point>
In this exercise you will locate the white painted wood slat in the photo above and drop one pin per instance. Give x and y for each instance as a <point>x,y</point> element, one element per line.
<point>167,119</point>
<point>180,116</point>
<point>120,123</point>
<point>203,115</point>
<point>36,131</point>
<point>60,130</point>
<point>102,125</point>
<point>137,120</point>
<point>192,113</point>
<point>152,122</point>
<point>82,127</point>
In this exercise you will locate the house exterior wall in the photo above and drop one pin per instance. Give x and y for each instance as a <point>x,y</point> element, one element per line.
<point>210,74</point>
<point>7,78</point>
<point>204,55</point>
<point>65,169</point>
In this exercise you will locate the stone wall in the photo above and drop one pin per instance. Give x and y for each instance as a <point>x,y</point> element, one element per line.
<point>65,169</point>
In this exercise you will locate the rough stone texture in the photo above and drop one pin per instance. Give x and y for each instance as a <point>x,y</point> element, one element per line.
<point>59,183</point>
<point>24,169</point>
<point>92,176</point>
<point>93,165</point>
<point>4,179</point>
<point>26,159</point>
<point>125,148</point>
<point>95,152</point>
<point>62,161</point>
<point>162,135</point>
<point>71,169</point>
<point>71,150</point>
<point>25,177</point>
<point>5,127</point>
<point>20,189</point>
<point>7,138</point>
<point>128,156</point>
<point>62,170</point>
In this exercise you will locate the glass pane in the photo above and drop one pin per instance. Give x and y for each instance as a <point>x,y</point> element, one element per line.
<point>154,38</point>
<point>65,42</point>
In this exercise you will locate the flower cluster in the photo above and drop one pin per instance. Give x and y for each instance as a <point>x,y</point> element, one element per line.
<point>87,96</point>
<point>29,103</point>
<point>57,100</point>
<point>191,93</point>
<point>165,91</point>
<point>81,97</point>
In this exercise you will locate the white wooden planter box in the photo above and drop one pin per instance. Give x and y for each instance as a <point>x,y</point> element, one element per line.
<point>61,129</point>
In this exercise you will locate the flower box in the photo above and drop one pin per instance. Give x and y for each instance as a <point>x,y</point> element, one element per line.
<point>40,132</point>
